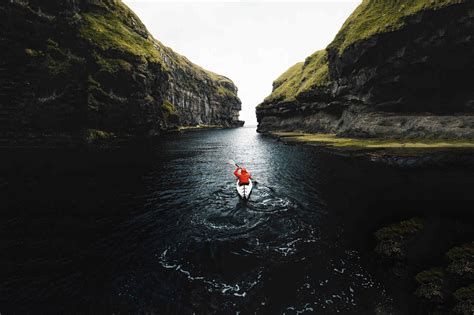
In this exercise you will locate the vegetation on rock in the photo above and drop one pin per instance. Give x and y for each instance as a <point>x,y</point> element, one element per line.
<point>430,275</point>
<point>93,135</point>
<point>402,228</point>
<point>461,252</point>
<point>465,298</point>
<point>300,78</point>
<point>393,239</point>
<point>437,284</point>
<point>169,109</point>
<point>108,32</point>
<point>370,18</point>
<point>381,76</point>
<point>112,65</point>
<point>379,16</point>
<point>57,59</point>
<point>95,66</point>
<point>371,143</point>
<point>462,260</point>
<point>465,293</point>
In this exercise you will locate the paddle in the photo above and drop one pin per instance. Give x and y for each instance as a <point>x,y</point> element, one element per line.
<point>232,162</point>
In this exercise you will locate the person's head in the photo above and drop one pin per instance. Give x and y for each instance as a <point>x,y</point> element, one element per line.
<point>244,170</point>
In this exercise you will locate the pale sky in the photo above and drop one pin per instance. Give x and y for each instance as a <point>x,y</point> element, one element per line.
<point>251,42</point>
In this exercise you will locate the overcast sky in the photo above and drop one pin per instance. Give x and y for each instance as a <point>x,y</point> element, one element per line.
<point>251,42</point>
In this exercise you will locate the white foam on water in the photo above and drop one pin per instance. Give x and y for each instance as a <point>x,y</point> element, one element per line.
<point>236,289</point>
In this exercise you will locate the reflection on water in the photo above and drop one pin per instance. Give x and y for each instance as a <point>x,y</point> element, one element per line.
<point>163,230</point>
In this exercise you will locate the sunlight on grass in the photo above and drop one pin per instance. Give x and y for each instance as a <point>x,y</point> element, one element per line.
<point>374,17</point>
<point>334,141</point>
<point>198,127</point>
<point>301,77</point>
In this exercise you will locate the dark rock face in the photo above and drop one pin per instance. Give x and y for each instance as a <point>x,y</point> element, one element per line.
<point>412,81</point>
<point>72,66</point>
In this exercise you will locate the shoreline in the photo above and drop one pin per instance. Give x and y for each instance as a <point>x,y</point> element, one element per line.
<point>199,127</point>
<point>395,152</point>
<point>333,140</point>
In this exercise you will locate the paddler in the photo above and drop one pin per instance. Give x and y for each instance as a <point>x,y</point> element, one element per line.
<point>243,176</point>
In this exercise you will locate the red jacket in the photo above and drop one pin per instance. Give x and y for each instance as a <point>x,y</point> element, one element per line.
<point>243,176</point>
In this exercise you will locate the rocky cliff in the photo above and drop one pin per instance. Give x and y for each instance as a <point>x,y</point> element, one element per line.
<point>397,68</point>
<point>87,66</point>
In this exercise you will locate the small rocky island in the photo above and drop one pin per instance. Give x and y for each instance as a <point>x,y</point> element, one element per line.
<point>395,70</point>
<point>90,70</point>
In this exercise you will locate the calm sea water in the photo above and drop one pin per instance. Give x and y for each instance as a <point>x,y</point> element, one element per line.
<point>159,228</point>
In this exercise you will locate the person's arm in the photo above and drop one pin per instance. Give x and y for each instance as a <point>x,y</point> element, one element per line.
<point>236,172</point>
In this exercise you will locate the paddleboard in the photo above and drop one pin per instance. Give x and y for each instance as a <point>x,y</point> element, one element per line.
<point>245,190</point>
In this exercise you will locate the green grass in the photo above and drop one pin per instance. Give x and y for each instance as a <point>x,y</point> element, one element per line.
<point>169,110</point>
<point>112,65</point>
<point>221,90</point>
<point>94,85</point>
<point>197,73</point>
<point>372,143</point>
<point>149,99</point>
<point>33,53</point>
<point>410,226</point>
<point>301,77</point>
<point>379,16</point>
<point>109,32</point>
<point>120,30</point>
<point>169,107</point>
<point>371,17</point>
<point>93,135</point>
<point>199,127</point>
<point>58,61</point>
<point>430,275</point>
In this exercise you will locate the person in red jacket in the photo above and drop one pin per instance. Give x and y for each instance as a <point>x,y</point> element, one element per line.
<point>243,176</point>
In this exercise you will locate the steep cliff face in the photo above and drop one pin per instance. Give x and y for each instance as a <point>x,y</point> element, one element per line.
<point>73,66</point>
<point>397,68</point>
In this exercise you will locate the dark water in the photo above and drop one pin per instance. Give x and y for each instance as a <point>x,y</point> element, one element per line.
<point>159,228</point>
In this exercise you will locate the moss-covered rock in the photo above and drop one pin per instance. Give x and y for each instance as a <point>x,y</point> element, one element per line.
<point>393,239</point>
<point>448,288</point>
<point>461,252</point>
<point>435,274</point>
<point>70,66</point>
<point>94,135</point>
<point>461,260</point>
<point>396,69</point>
<point>400,229</point>
<point>465,293</point>
<point>301,78</point>
<point>380,16</point>
<point>465,298</point>
<point>431,285</point>
<point>109,32</point>
<point>113,65</point>
<point>170,111</point>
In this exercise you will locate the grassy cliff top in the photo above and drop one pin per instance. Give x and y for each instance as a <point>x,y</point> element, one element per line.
<point>108,32</point>
<point>379,16</point>
<point>371,17</point>
<point>112,27</point>
<point>224,86</point>
<point>300,78</point>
